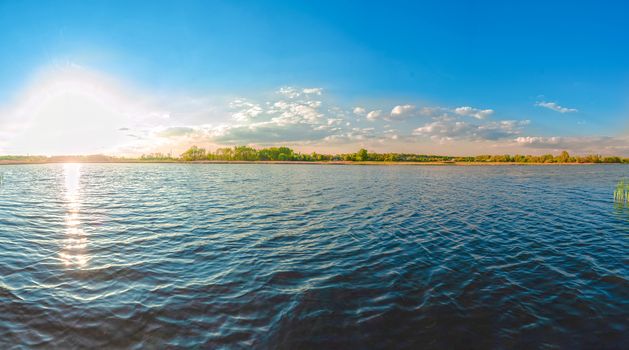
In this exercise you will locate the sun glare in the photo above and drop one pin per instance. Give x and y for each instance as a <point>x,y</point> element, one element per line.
<point>72,111</point>
<point>73,252</point>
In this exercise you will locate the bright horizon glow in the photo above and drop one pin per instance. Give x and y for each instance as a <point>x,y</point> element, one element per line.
<point>333,86</point>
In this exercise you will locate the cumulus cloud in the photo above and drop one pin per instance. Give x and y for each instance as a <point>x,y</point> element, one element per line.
<point>313,91</point>
<point>539,140</point>
<point>374,115</point>
<point>294,117</point>
<point>267,132</point>
<point>245,110</point>
<point>473,112</point>
<point>288,112</point>
<point>293,92</point>
<point>289,92</point>
<point>577,144</point>
<point>449,129</point>
<point>555,107</point>
<point>402,111</point>
<point>353,135</point>
<point>359,111</point>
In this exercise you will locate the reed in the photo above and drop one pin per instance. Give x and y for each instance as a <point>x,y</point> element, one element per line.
<point>621,194</point>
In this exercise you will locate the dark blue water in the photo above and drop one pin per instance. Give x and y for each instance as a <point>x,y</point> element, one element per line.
<point>307,256</point>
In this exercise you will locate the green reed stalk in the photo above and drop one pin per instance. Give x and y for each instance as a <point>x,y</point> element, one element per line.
<point>621,193</point>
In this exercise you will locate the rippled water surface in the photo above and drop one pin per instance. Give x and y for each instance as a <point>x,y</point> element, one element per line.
<point>309,256</point>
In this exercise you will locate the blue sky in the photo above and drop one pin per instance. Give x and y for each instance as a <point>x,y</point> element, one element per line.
<point>549,76</point>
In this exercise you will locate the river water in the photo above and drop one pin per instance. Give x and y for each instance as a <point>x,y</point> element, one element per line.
<point>312,256</point>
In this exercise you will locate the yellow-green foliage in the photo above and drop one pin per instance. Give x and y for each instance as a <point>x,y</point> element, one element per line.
<point>621,194</point>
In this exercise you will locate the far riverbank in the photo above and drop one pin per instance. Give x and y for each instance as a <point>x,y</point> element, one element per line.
<point>136,161</point>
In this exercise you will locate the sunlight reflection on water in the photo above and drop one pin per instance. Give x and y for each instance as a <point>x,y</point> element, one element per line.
<point>75,242</point>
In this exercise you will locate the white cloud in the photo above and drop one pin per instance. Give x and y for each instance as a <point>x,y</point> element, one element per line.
<point>289,92</point>
<point>313,91</point>
<point>374,115</point>
<point>473,112</point>
<point>245,110</point>
<point>402,111</point>
<point>577,144</point>
<point>449,129</point>
<point>538,140</point>
<point>288,112</point>
<point>555,107</point>
<point>359,111</point>
<point>292,92</point>
<point>334,121</point>
<point>353,135</point>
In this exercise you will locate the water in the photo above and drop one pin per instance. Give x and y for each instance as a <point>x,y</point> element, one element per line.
<point>307,256</point>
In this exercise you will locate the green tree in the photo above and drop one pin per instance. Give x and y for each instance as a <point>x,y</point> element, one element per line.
<point>224,154</point>
<point>564,157</point>
<point>193,153</point>
<point>362,155</point>
<point>245,153</point>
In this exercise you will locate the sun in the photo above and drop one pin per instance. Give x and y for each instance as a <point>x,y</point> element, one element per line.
<point>72,110</point>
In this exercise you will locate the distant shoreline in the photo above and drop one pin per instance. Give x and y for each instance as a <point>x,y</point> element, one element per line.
<point>285,155</point>
<point>276,162</point>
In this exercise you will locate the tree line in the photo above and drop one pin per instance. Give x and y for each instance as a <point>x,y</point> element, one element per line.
<point>246,153</point>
